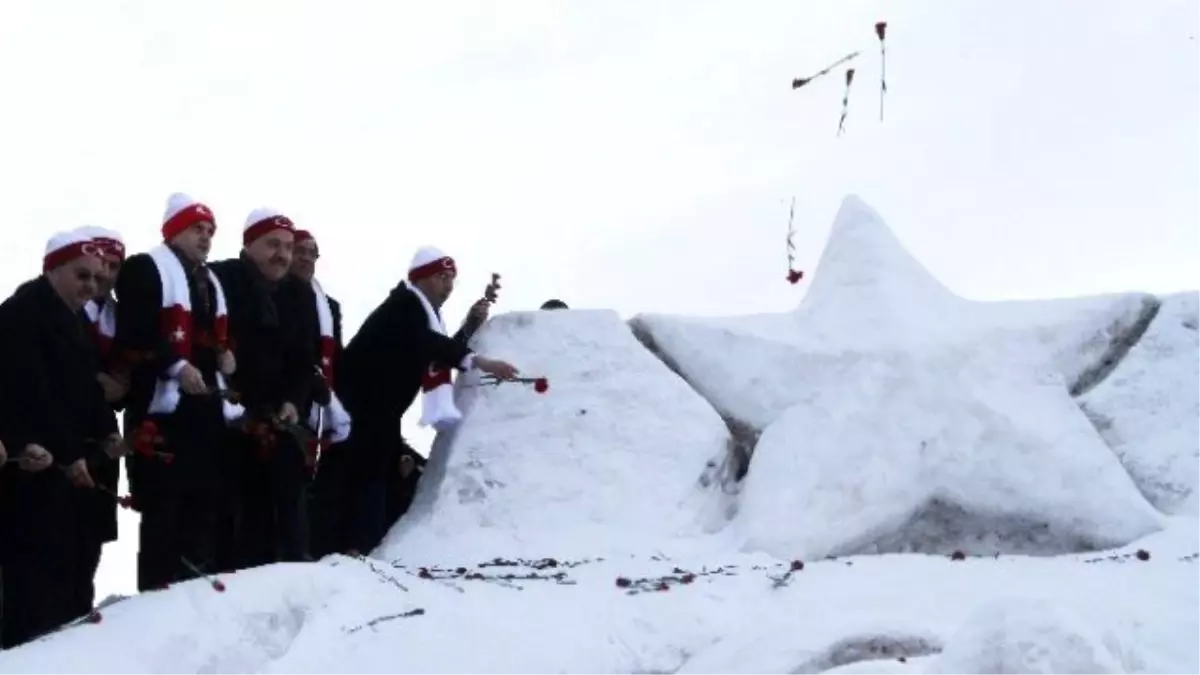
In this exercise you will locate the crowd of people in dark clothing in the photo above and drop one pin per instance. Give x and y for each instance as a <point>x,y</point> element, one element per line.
<point>250,434</point>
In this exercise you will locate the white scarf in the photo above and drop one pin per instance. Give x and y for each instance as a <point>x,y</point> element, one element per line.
<point>175,322</point>
<point>103,318</point>
<point>437,400</point>
<point>336,419</point>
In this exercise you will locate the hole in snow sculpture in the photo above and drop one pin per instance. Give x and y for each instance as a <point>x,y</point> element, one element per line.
<point>608,460</point>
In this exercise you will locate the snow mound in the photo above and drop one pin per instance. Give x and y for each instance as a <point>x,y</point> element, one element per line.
<point>1016,635</point>
<point>1147,409</point>
<point>608,460</point>
<point>904,454</point>
<point>263,614</point>
<point>869,295</point>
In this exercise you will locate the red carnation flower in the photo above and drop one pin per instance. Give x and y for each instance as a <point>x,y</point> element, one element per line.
<point>95,616</point>
<point>540,385</point>
<point>218,586</point>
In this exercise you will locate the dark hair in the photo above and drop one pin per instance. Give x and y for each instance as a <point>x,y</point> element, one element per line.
<point>554,304</point>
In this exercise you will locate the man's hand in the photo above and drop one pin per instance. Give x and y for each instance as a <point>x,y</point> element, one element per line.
<point>115,447</point>
<point>502,370</point>
<point>115,387</point>
<point>78,474</point>
<point>479,311</point>
<point>191,381</point>
<point>35,458</point>
<point>407,466</point>
<point>287,414</point>
<point>226,363</point>
<point>3,455</point>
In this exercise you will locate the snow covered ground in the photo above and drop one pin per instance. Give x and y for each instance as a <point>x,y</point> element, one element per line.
<point>934,485</point>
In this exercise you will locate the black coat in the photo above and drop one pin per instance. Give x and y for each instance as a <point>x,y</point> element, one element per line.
<point>275,349</point>
<point>382,367</point>
<point>50,398</point>
<point>195,432</point>
<point>100,507</point>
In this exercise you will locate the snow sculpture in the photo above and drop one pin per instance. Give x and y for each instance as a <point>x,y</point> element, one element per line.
<point>900,417</point>
<point>608,459</point>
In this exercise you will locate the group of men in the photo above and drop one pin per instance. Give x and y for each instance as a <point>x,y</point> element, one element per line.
<point>251,435</point>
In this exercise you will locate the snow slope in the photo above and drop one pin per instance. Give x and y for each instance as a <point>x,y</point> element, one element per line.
<point>608,460</point>
<point>1146,410</point>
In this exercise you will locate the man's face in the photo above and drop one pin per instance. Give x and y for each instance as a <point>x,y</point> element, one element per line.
<point>110,267</point>
<point>272,253</point>
<point>75,282</point>
<point>304,259</point>
<point>439,287</point>
<point>195,242</point>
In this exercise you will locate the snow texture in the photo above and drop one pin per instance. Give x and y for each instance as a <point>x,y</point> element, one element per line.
<point>1146,410</point>
<point>608,460</point>
<point>1018,635</point>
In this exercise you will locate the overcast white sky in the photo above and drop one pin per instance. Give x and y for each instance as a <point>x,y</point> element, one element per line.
<point>637,155</point>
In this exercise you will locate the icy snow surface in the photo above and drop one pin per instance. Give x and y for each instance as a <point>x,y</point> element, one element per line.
<point>893,416</point>
<point>1147,409</point>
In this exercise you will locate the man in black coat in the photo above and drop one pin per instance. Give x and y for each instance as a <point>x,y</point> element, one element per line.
<point>402,349</point>
<point>172,335</point>
<point>275,354</point>
<point>98,508</point>
<point>330,486</point>
<point>56,415</point>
